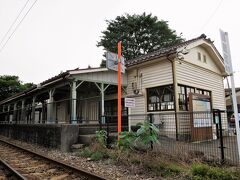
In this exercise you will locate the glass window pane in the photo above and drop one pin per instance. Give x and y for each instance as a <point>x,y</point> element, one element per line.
<point>160,97</point>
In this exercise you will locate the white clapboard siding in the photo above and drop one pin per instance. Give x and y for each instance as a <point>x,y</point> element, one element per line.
<point>184,124</point>
<point>62,112</point>
<point>165,121</point>
<point>88,110</point>
<point>205,78</point>
<point>131,78</point>
<point>157,74</point>
<point>147,76</point>
<point>210,62</point>
<point>139,106</point>
<point>195,76</point>
<point>107,77</point>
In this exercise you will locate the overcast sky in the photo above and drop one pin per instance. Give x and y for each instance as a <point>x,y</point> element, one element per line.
<point>58,35</point>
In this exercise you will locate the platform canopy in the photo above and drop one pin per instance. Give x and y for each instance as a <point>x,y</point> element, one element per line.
<point>98,75</point>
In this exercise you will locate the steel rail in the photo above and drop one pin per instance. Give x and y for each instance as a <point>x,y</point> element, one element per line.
<point>12,170</point>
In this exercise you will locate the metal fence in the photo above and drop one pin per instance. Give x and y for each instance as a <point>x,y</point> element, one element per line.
<point>206,136</point>
<point>57,112</point>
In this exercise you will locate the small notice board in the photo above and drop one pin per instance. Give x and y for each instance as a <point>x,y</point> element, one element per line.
<point>201,117</point>
<point>130,102</point>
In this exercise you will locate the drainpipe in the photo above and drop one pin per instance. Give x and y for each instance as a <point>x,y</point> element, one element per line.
<point>174,79</point>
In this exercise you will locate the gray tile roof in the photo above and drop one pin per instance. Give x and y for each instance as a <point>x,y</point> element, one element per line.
<point>165,51</point>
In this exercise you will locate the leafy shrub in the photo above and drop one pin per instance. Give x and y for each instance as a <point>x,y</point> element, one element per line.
<point>146,134</point>
<point>92,154</point>
<point>86,152</point>
<point>126,140</point>
<point>101,137</point>
<point>96,156</point>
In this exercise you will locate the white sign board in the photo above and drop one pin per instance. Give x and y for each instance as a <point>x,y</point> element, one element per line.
<point>130,102</point>
<point>112,62</point>
<point>202,122</point>
<point>226,52</point>
<point>201,104</point>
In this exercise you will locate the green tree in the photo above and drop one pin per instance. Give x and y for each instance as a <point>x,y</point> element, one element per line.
<point>140,34</point>
<point>103,64</point>
<point>10,85</point>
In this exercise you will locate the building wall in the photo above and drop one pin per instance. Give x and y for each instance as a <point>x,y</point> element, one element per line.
<point>192,57</point>
<point>195,73</point>
<point>156,74</point>
<point>107,77</point>
<point>89,109</point>
<point>62,112</point>
<point>190,71</point>
<point>198,74</point>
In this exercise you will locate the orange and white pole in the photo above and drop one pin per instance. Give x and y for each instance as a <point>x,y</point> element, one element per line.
<point>119,91</point>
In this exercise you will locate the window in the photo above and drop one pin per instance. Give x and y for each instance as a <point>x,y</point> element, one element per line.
<point>204,92</point>
<point>183,95</point>
<point>199,56</point>
<point>182,101</point>
<point>204,58</point>
<point>160,98</point>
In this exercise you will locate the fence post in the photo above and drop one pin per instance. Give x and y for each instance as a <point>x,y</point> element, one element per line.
<point>221,137</point>
<point>151,121</point>
<point>108,138</point>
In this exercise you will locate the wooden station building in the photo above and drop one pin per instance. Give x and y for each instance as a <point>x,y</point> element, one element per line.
<point>160,82</point>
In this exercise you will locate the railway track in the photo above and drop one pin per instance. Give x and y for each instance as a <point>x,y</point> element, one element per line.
<point>7,172</point>
<point>25,164</point>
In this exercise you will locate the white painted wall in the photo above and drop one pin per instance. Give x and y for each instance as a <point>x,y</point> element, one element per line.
<point>190,72</point>
<point>156,74</point>
<point>192,57</point>
<point>198,77</point>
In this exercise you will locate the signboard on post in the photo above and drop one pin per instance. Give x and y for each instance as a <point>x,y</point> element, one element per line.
<point>226,52</point>
<point>130,102</point>
<point>112,62</point>
<point>229,70</point>
<point>201,119</point>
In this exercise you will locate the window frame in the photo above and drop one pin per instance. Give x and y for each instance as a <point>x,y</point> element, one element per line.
<point>161,105</point>
<point>186,95</point>
<point>205,58</point>
<point>199,55</point>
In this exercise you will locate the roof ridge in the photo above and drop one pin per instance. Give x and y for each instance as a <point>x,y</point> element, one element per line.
<point>163,51</point>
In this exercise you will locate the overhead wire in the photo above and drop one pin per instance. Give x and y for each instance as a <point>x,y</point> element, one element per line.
<point>17,26</point>
<point>15,20</point>
<point>211,16</point>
